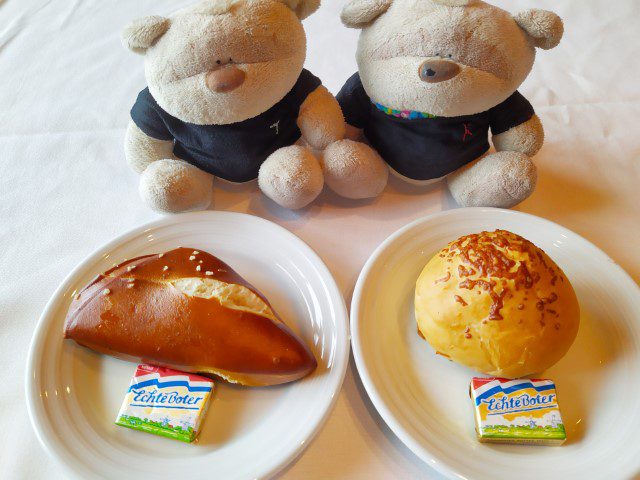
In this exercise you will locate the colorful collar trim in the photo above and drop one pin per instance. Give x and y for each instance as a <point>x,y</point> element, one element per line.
<point>408,114</point>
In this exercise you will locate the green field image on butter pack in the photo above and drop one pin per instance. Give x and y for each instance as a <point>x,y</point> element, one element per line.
<point>157,428</point>
<point>523,431</point>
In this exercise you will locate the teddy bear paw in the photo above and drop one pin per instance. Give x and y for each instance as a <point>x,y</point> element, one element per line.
<point>502,179</point>
<point>174,186</point>
<point>291,177</point>
<point>354,170</point>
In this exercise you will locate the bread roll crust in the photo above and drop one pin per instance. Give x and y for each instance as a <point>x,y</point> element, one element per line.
<point>496,303</point>
<point>188,310</point>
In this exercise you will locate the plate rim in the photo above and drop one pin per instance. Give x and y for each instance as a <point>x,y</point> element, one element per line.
<point>422,452</point>
<point>35,409</point>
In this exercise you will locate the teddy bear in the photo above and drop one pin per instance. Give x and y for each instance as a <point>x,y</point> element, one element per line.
<point>228,97</point>
<point>434,76</point>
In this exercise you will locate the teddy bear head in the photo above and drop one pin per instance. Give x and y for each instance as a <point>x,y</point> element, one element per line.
<point>222,61</point>
<point>446,57</point>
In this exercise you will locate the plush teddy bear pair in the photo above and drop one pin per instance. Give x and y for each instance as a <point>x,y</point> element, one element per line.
<point>228,97</point>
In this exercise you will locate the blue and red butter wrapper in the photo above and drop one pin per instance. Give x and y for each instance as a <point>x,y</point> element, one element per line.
<point>166,402</point>
<point>522,411</point>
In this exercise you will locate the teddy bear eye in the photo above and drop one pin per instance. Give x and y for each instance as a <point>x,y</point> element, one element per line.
<point>450,55</point>
<point>230,60</point>
<point>218,62</point>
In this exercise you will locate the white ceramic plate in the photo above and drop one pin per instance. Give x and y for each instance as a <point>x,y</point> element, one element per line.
<point>424,398</point>
<point>74,394</point>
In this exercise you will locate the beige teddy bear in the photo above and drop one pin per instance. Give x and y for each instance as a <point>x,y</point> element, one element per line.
<point>228,97</point>
<point>434,77</point>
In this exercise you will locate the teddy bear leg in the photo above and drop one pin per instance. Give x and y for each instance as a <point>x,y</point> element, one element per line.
<point>354,170</point>
<point>501,179</point>
<point>291,177</point>
<point>174,186</point>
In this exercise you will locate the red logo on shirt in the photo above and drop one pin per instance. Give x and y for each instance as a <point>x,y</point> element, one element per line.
<point>467,132</point>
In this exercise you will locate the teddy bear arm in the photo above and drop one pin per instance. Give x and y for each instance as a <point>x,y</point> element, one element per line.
<point>320,119</point>
<point>141,149</point>
<point>526,138</point>
<point>354,133</point>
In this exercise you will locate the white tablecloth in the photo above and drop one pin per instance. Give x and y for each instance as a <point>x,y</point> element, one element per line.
<point>66,86</point>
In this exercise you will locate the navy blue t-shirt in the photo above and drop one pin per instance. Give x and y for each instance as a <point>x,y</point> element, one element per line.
<point>234,151</point>
<point>425,148</point>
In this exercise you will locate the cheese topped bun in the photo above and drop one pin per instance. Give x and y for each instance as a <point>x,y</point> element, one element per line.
<point>498,304</point>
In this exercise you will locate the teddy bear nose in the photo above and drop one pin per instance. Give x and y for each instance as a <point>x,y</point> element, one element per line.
<point>434,71</point>
<point>225,78</point>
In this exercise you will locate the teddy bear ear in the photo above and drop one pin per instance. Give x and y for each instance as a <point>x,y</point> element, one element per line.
<point>544,28</point>
<point>302,8</point>
<point>144,32</point>
<point>359,13</point>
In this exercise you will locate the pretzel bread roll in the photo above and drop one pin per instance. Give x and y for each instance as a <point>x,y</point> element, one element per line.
<point>188,310</point>
<point>498,304</point>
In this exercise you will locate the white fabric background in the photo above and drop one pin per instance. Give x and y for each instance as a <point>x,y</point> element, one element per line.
<point>66,86</point>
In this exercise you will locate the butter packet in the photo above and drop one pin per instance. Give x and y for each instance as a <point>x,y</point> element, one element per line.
<point>523,411</point>
<point>166,402</point>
